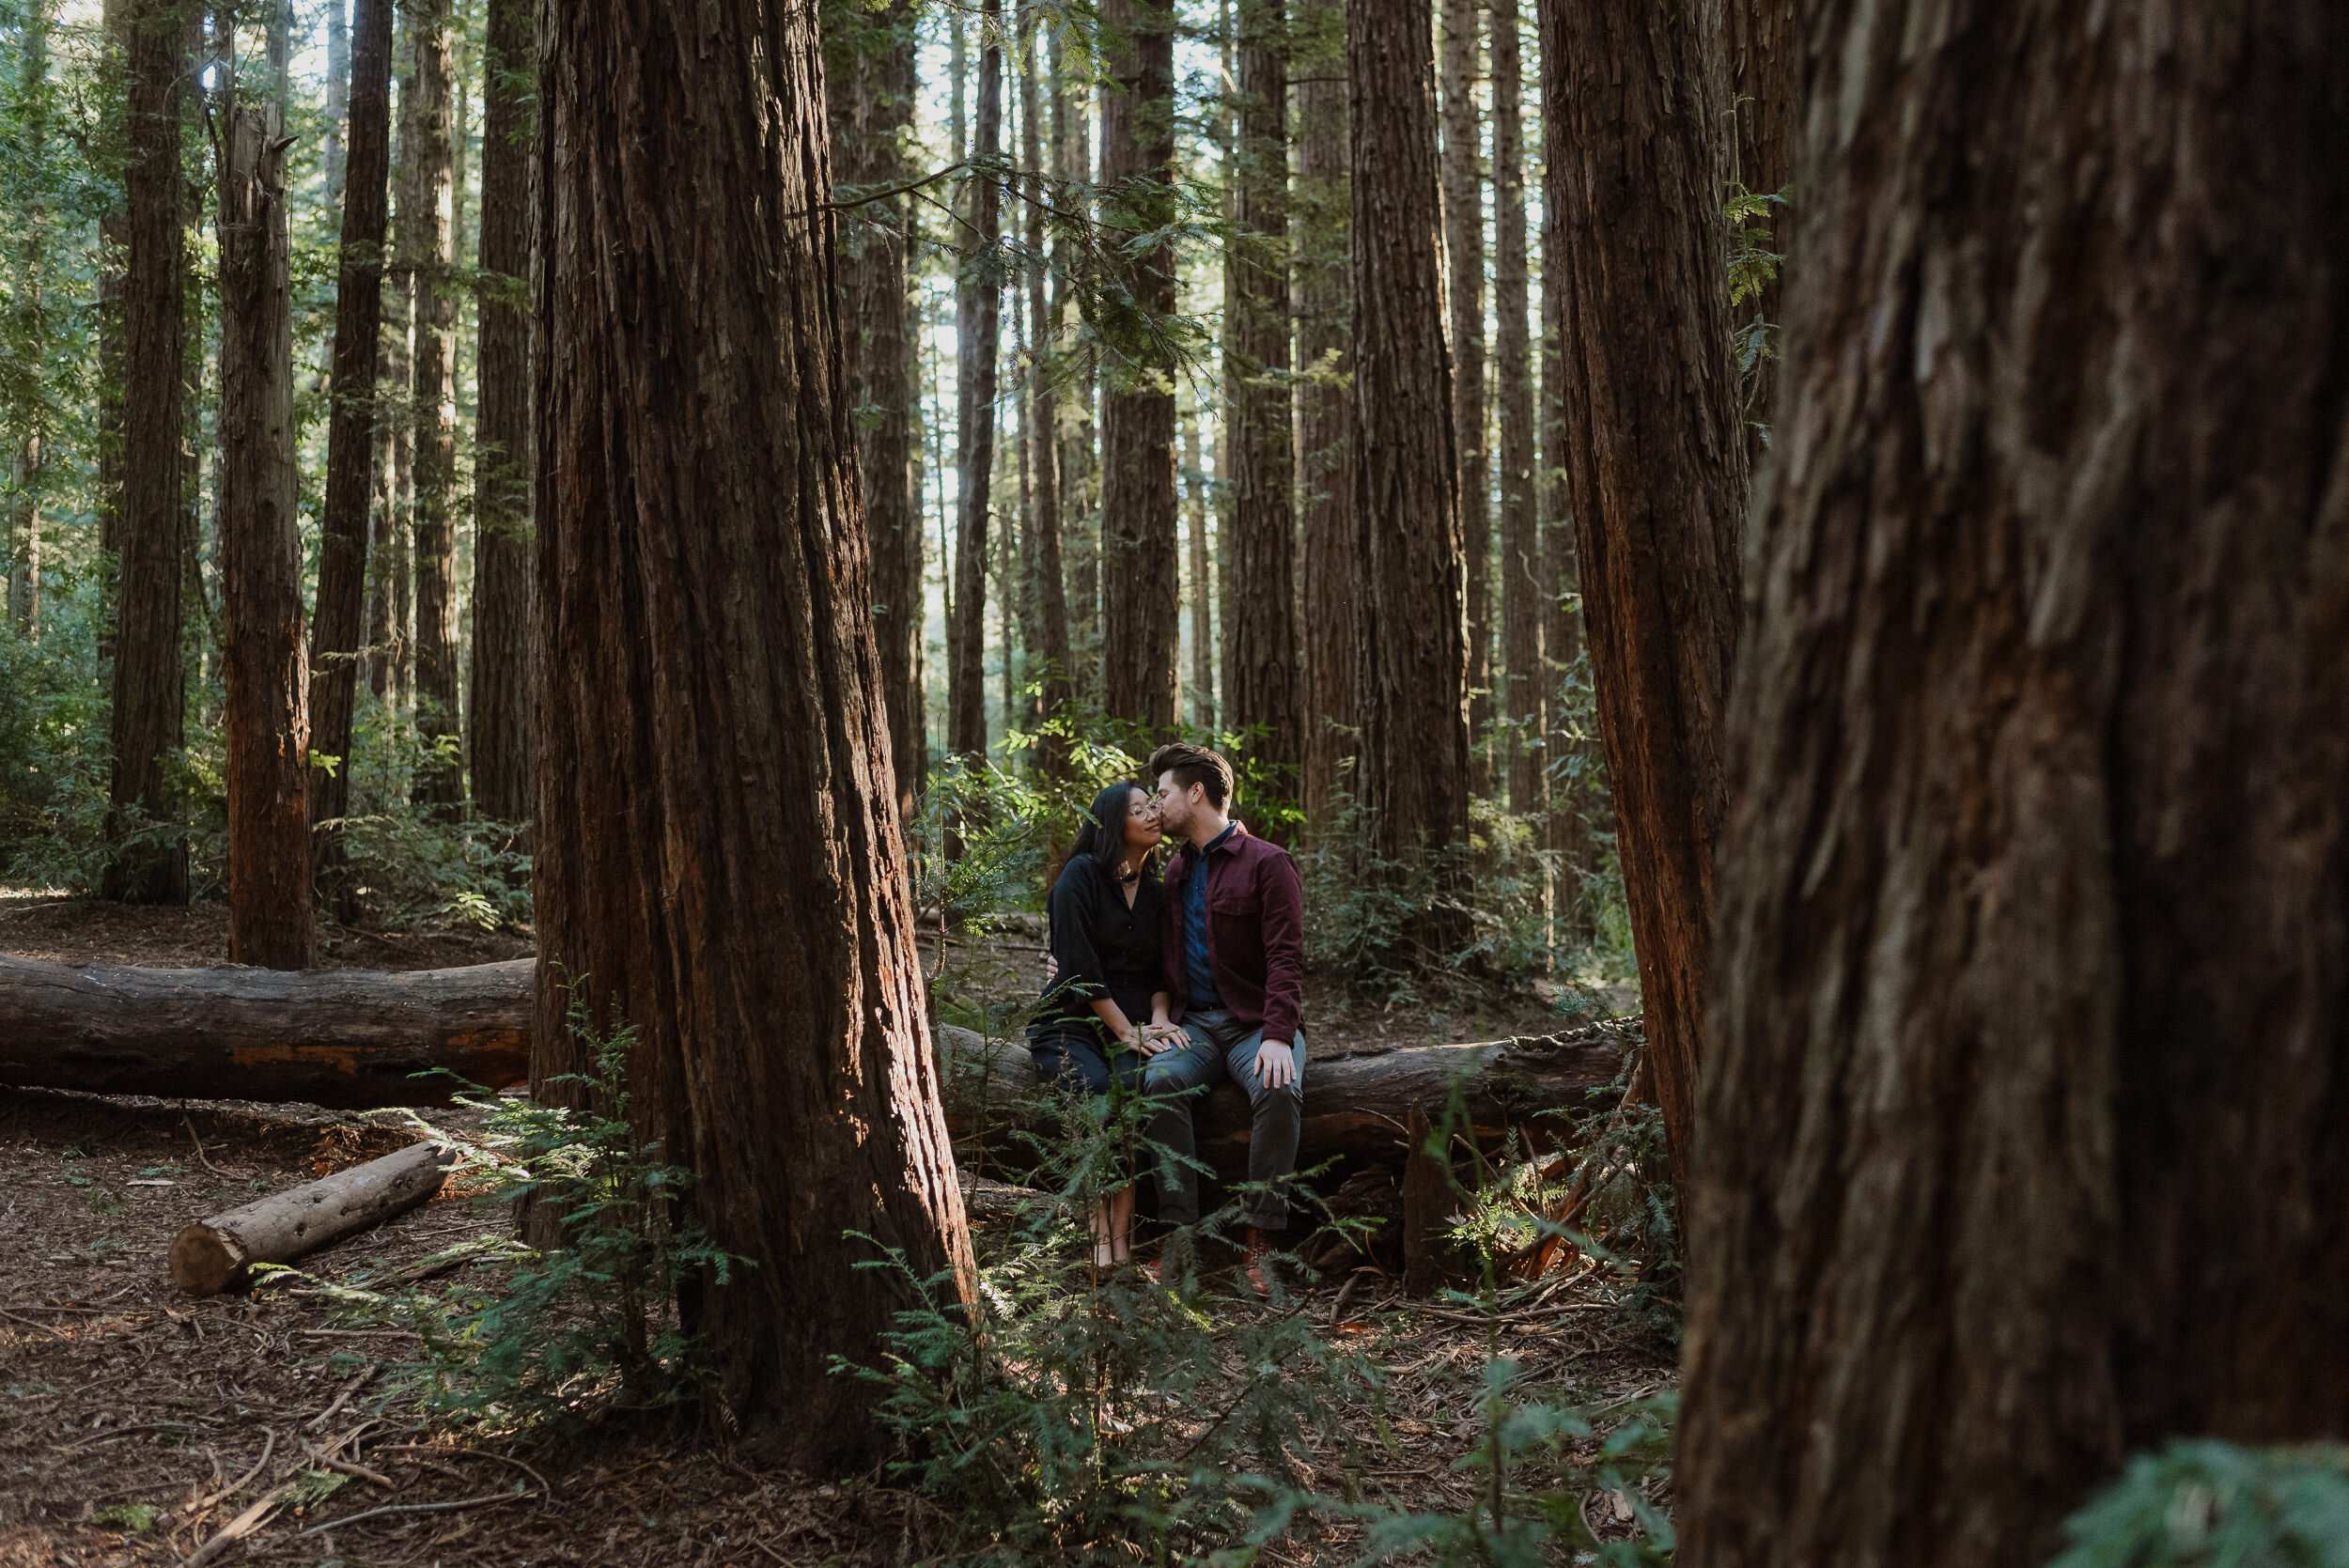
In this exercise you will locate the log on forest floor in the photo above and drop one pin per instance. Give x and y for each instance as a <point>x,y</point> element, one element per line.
<point>347,1038</point>
<point>1354,1105</point>
<point>212,1255</point>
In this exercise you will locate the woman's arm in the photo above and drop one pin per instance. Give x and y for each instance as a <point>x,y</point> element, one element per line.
<point>1106,1008</point>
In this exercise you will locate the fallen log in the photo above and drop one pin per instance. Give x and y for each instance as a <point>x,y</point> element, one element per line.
<point>211,1255</point>
<point>351,1039</point>
<point>1354,1105</point>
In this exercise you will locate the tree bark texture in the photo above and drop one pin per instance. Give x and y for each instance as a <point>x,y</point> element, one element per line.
<point>498,720</point>
<point>338,628</point>
<point>2021,1142</point>
<point>1202,574</point>
<point>1571,756</point>
<point>212,1255</point>
<point>1048,571</point>
<point>1522,684</point>
<point>1411,665</point>
<point>426,241</point>
<point>1140,571</point>
<point>1654,461</point>
<point>1261,682</point>
<point>265,667</point>
<point>1329,572</point>
<point>720,860</point>
<point>348,1038</point>
<point>1464,281</point>
<point>870,69</point>
<point>979,325</point>
<point>391,665</point>
<point>1077,468</point>
<point>150,862</point>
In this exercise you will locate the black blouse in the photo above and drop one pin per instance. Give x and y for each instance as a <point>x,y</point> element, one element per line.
<point>1101,945</point>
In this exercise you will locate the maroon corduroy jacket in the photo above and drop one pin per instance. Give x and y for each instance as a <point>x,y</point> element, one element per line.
<point>1255,932</point>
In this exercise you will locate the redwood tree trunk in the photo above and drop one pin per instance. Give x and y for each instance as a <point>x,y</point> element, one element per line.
<point>1203,573</point>
<point>1047,571</point>
<point>498,721</point>
<point>2021,1140</point>
<point>265,721</point>
<point>1570,753</point>
<point>337,630</point>
<point>720,860</point>
<point>978,318</point>
<point>1261,683</point>
<point>1411,670</point>
<point>425,242</point>
<point>147,690</point>
<point>870,66</point>
<point>1330,588</point>
<point>1464,281</point>
<point>1655,462</point>
<point>1521,684</point>
<point>1141,575</point>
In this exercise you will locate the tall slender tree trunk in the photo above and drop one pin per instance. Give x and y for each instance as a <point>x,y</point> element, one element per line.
<point>1202,574</point>
<point>1411,670</point>
<point>499,720</point>
<point>1261,683</point>
<point>339,91</point>
<point>149,695</point>
<point>30,460</point>
<point>1141,575</point>
<point>391,667</point>
<point>337,630</point>
<point>720,860</point>
<point>1655,463</point>
<point>978,309</point>
<point>1078,471</point>
<point>2021,1131</point>
<point>426,236</point>
<point>1464,278</point>
<point>113,243</point>
<point>1330,576</point>
<point>1522,684</point>
<point>265,722</point>
<point>1571,759</point>
<point>870,70</point>
<point>1048,571</point>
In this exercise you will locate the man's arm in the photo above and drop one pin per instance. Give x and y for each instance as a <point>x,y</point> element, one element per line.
<point>1283,913</point>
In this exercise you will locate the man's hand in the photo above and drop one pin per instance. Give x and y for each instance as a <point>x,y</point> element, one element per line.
<point>1275,1067</point>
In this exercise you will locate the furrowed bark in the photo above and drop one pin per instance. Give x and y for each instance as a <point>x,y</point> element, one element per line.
<point>1523,683</point>
<point>1329,593</point>
<point>427,244</point>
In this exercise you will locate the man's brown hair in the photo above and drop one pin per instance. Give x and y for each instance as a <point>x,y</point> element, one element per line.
<point>1194,765</point>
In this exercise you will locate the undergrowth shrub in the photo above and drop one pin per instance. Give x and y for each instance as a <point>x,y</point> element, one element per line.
<point>567,1334</point>
<point>1079,1413</point>
<point>2207,1504</point>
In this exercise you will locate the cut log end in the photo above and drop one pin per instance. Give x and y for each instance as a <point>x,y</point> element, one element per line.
<point>204,1261</point>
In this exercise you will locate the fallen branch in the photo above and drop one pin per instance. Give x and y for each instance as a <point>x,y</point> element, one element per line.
<point>418,1508</point>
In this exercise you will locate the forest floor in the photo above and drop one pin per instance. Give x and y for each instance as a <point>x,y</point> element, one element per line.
<point>136,1422</point>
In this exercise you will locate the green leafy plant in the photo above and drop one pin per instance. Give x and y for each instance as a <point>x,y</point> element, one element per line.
<point>2208,1504</point>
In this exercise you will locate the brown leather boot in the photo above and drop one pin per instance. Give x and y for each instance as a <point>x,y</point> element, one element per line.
<point>1257,1270</point>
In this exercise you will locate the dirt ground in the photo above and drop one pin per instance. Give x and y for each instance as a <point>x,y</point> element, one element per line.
<point>137,1424</point>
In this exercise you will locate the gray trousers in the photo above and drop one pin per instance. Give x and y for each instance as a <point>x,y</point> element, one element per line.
<point>1220,1046</point>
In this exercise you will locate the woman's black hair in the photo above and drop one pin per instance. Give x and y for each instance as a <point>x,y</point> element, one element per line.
<point>1103,836</point>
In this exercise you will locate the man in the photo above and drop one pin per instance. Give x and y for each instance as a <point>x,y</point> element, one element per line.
<point>1234,914</point>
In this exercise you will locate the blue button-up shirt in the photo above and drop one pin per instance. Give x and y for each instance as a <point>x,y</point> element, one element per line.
<point>1197,971</point>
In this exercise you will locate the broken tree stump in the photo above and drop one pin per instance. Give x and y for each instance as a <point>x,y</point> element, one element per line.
<point>351,1039</point>
<point>212,1255</point>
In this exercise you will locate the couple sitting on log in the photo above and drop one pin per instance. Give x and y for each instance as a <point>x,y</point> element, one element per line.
<point>1161,987</point>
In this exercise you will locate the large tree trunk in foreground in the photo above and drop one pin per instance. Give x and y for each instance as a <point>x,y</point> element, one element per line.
<point>338,1037</point>
<point>212,1255</point>
<point>148,696</point>
<point>426,240</point>
<point>1261,685</point>
<point>498,720</point>
<point>265,719</point>
<point>720,860</point>
<point>1655,462</point>
<point>870,69</point>
<point>338,629</point>
<point>2021,1144</point>
<point>1412,658</point>
<point>978,323</point>
<point>1330,590</point>
<point>1141,570</point>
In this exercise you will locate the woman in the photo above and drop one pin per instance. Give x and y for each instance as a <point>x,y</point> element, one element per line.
<point>1107,1008</point>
